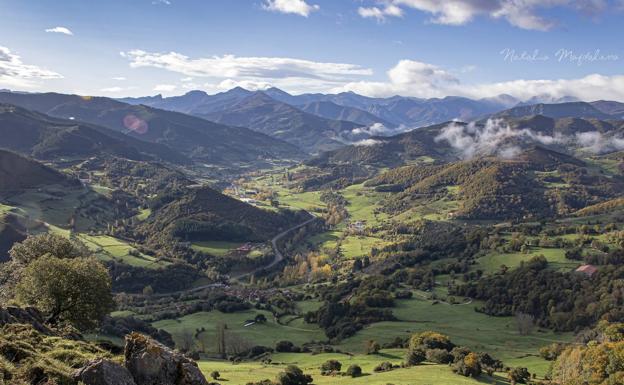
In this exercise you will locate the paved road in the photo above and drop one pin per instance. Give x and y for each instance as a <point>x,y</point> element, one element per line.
<point>278,254</point>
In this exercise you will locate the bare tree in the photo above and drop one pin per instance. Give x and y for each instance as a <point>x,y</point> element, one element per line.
<point>187,340</point>
<point>525,323</point>
<point>221,340</point>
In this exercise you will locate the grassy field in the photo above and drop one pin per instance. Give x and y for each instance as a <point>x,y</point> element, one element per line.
<point>267,334</point>
<point>242,373</point>
<point>216,248</point>
<point>108,248</point>
<point>556,259</point>
<point>495,335</point>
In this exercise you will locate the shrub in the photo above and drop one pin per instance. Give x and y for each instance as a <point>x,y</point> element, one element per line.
<point>354,371</point>
<point>292,375</point>
<point>519,375</point>
<point>330,367</point>
<point>469,366</point>
<point>215,375</point>
<point>431,340</point>
<point>415,356</point>
<point>439,356</point>
<point>383,367</point>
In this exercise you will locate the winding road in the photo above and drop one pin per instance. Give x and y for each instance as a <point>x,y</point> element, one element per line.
<point>277,259</point>
<point>278,254</point>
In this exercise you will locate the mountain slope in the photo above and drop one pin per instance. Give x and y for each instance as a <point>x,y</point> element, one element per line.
<point>331,110</point>
<point>560,110</point>
<point>44,137</point>
<point>609,107</point>
<point>18,172</point>
<point>280,120</point>
<point>204,214</point>
<point>194,137</point>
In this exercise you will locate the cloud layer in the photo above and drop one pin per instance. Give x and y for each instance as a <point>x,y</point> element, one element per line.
<point>525,14</point>
<point>414,78</point>
<point>15,73</point>
<point>498,138</point>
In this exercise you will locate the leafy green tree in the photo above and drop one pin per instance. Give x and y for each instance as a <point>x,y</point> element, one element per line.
<point>292,375</point>
<point>36,246</point>
<point>77,291</point>
<point>330,367</point>
<point>354,371</point>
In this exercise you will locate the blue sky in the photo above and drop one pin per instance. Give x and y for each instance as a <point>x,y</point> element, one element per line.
<point>421,48</point>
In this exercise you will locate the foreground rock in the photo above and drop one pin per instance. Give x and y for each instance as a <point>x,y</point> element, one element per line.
<point>151,363</point>
<point>104,372</point>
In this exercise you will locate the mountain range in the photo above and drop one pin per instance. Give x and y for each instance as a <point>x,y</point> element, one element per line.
<point>190,136</point>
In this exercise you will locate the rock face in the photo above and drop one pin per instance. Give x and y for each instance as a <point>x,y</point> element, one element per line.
<point>104,372</point>
<point>151,363</point>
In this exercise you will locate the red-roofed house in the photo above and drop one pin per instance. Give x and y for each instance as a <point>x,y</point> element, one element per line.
<point>588,270</point>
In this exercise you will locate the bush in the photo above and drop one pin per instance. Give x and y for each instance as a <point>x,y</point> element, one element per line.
<point>469,366</point>
<point>439,356</point>
<point>330,367</point>
<point>519,375</point>
<point>292,375</point>
<point>383,367</point>
<point>431,340</point>
<point>285,347</point>
<point>215,375</point>
<point>415,356</point>
<point>354,371</point>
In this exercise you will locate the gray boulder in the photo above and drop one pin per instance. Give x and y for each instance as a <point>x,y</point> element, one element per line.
<point>104,372</point>
<point>152,363</point>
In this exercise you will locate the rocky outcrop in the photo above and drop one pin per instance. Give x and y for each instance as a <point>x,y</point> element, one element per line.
<point>147,362</point>
<point>104,372</point>
<point>27,315</point>
<point>152,363</point>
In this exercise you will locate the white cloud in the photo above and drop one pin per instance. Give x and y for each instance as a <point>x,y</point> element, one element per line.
<point>14,73</point>
<point>381,13</point>
<point>119,78</point>
<point>117,89</point>
<point>290,73</point>
<point>498,138</point>
<point>368,142</point>
<point>520,13</point>
<point>63,30</point>
<point>251,85</point>
<point>161,2</point>
<point>413,78</point>
<point>165,87</point>
<point>409,78</point>
<point>297,7</point>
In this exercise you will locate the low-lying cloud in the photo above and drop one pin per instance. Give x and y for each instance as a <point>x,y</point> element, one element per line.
<point>498,138</point>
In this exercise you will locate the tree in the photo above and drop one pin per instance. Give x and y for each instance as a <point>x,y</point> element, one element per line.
<point>292,375</point>
<point>354,371</point>
<point>215,375</point>
<point>148,290</point>
<point>330,367</point>
<point>36,246</point>
<point>77,291</point>
<point>372,347</point>
<point>518,375</point>
<point>525,323</point>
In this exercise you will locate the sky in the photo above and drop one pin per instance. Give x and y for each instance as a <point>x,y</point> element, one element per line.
<point>421,48</point>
